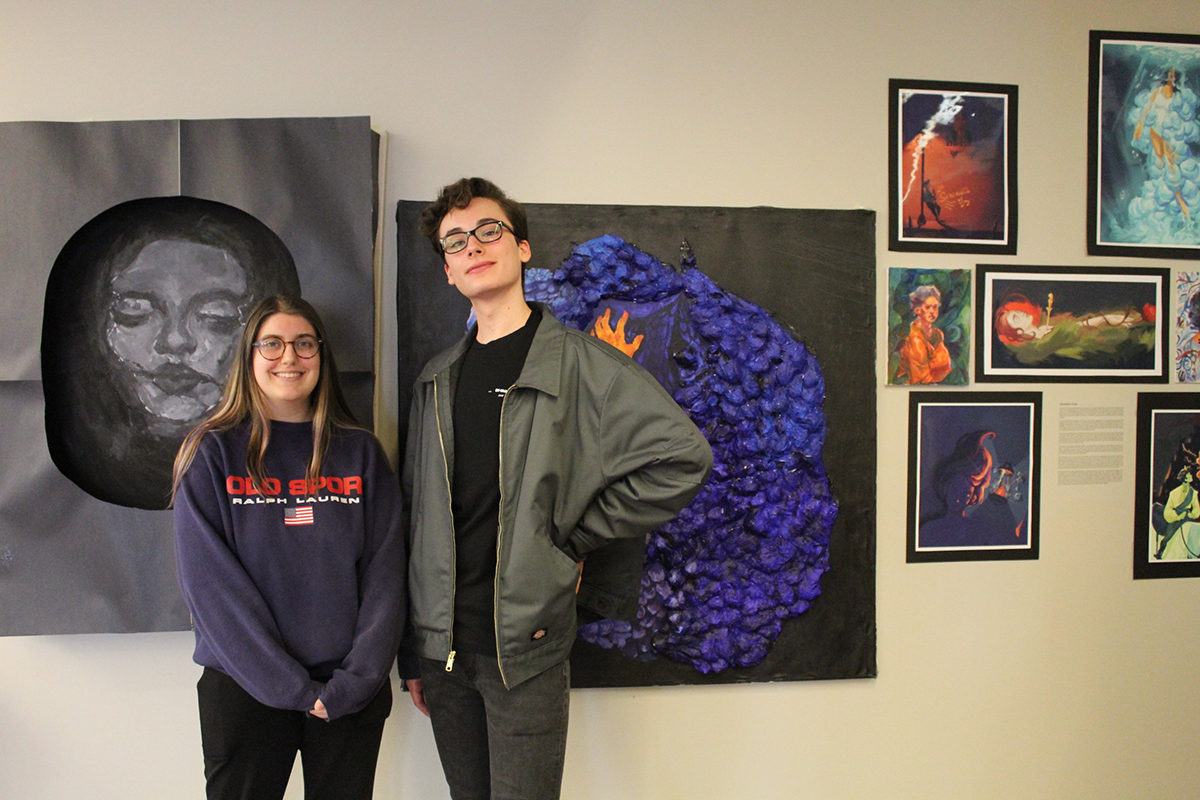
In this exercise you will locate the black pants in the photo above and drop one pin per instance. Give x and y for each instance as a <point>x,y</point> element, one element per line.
<point>497,743</point>
<point>249,748</point>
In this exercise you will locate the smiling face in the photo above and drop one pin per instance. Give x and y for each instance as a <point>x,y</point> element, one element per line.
<point>172,322</point>
<point>287,384</point>
<point>489,271</point>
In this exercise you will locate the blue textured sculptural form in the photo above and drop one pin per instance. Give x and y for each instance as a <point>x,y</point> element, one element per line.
<point>750,550</point>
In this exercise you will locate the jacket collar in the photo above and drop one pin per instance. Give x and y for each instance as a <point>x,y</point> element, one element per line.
<point>543,364</point>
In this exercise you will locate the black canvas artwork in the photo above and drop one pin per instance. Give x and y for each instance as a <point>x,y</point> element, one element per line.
<point>134,251</point>
<point>742,325</point>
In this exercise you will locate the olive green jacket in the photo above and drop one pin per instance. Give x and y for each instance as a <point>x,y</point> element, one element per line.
<point>592,450</point>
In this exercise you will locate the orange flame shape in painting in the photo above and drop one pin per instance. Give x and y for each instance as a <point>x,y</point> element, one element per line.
<point>603,331</point>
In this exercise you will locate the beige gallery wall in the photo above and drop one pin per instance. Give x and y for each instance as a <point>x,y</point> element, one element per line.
<point>1056,678</point>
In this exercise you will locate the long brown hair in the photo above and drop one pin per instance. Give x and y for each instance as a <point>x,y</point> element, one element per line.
<point>242,399</point>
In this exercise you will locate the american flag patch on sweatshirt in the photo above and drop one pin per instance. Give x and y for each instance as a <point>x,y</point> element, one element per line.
<point>298,515</point>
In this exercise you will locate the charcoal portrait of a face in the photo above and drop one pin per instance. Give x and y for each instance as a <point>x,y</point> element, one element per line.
<point>143,311</point>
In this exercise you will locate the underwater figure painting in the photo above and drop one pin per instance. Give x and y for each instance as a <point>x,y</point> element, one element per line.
<point>1144,145</point>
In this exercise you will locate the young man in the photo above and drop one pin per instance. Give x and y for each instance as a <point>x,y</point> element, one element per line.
<point>530,446</point>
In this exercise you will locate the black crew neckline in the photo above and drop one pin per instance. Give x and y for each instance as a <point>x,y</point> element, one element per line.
<point>535,316</point>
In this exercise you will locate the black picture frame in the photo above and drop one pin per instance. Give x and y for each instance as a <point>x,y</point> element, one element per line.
<point>1111,326</point>
<point>974,475</point>
<point>1168,434</point>
<point>978,195</point>
<point>1143,185</point>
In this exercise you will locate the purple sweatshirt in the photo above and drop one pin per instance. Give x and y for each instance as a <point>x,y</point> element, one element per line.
<point>296,593</point>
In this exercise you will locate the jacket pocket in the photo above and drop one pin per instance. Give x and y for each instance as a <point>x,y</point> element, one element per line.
<point>536,594</point>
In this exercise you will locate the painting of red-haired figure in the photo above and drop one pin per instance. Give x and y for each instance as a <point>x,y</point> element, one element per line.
<point>1071,324</point>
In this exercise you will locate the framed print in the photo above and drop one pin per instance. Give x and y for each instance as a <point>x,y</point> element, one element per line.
<point>1166,525</point>
<point>974,468</point>
<point>1143,145</point>
<point>1070,324</point>
<point>929,326</point>
<point>952,153</point>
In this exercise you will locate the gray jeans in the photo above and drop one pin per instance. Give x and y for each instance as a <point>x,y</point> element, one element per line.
<point>497,743</point>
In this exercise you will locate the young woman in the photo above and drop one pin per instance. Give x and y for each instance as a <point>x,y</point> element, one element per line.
<point>292,563</point>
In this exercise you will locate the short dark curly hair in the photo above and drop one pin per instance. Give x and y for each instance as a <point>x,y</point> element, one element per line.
<point>459,195</point>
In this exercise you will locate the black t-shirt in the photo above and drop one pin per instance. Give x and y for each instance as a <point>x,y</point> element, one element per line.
<point>485,375</point>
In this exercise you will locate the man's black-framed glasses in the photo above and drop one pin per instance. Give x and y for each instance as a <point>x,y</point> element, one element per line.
<point>272,347</point>
<point>487,232</point>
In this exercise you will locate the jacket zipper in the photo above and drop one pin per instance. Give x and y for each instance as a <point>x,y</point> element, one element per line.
<point>437,411</point>
<point>499,536</point>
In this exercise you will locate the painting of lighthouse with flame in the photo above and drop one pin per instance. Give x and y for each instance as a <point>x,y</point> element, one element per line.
<point>953,159</point>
